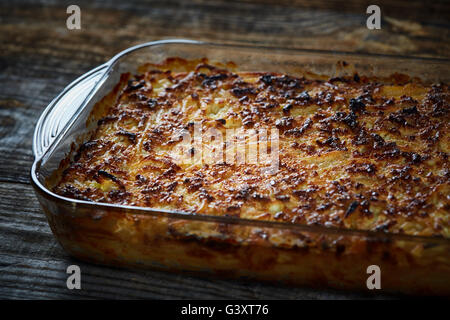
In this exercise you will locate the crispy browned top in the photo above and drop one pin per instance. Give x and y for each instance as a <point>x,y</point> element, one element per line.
<point>354,152</point>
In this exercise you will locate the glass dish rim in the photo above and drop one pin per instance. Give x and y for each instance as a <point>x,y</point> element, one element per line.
<point>135,210</point>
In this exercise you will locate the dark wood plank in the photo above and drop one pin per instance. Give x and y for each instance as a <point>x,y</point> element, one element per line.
<point>434,12</point>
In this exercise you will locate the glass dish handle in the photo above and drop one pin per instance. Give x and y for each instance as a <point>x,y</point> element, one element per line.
<point>61,110</point>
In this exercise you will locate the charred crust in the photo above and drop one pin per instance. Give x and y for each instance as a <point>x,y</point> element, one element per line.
<point>282,197</point>
<point>72,192</point>
<point>356,105</point>
<point>350,119</point>
<point>365,168</point>
<point>103,173</point>
<point>107,119</point>
<point>284,123</point>
<point>260,197</point>
<point>211,81</point>
<point>152,103</point>
<point>221,121</point>
<point>334,143</point>
<point>194,183</point>
<point>287,108</point>
<point>118,195</point>
<point>303,97</point>
<point>298,131</point>
<point>240,92</point>
<point>134,85</point>
<point>266,79</point>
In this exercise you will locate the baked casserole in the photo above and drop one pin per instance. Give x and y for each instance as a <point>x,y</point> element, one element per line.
<point>352,153</point>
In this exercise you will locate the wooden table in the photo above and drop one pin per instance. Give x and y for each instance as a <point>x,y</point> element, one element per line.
<point>39,56</point>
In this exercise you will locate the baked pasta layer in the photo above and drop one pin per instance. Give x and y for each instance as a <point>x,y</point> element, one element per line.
<point>353,152</point>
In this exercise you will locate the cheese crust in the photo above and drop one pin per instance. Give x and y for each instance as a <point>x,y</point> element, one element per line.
<point>354,152</point>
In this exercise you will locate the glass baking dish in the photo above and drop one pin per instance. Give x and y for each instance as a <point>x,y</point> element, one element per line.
<point>275,251</point>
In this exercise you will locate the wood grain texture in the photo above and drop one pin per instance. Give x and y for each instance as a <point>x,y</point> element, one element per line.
<point>39,57</point>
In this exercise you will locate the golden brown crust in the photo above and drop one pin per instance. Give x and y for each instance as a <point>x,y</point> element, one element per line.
<point>354,152</point>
